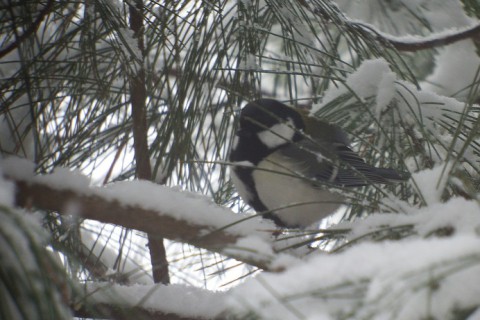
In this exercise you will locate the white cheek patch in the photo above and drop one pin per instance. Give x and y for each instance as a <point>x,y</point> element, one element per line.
<point>278,134</point>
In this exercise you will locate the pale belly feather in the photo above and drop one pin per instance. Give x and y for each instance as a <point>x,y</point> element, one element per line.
<point>292,198</point>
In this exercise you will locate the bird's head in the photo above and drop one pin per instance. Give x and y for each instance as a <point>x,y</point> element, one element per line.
<point>270,122</point>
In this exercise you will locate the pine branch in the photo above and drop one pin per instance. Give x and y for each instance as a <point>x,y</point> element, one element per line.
<point>138,92</point>
<point>96,207</point>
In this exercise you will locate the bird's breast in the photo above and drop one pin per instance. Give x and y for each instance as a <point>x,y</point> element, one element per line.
<point>289,195</point>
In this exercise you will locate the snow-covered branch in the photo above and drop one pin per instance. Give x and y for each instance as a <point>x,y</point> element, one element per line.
<point>148,207</point>
<point>405,43</point>
<point>411,43</point>
<point>107,311</point>
<point>172,302</point>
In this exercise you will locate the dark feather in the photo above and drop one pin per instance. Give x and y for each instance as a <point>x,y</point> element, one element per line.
<point>337,164</point>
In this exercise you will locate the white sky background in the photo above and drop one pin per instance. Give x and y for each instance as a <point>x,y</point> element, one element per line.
<point>373,280</point>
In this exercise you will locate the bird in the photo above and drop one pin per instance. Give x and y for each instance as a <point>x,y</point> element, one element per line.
<point>291,167</point>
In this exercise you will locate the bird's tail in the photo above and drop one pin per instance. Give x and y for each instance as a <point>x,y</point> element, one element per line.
<point>392,176</point>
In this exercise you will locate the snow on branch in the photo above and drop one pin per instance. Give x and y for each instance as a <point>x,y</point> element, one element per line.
<point>148,207</point>
<point>151,302</point>
<point>415,43</point>
<point>406,43</point>
<point>410,279</point>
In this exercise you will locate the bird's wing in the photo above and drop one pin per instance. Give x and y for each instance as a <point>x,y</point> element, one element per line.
<point>354,171</point>
<point>335,164</point>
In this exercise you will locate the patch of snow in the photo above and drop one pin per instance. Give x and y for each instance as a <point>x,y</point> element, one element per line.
<point>385,92</point>
<point>182,205</point>
<point>370,281</point>
<point>67,178</point>
<point>284,261</point>
<point>251,248</point>
<point>462,215</point>
<point>177,299</point>
<point>366,79</point>
<point>456,66</point>
<point>431,182</point>
<point>372,79</point>
<point>19,168</point>
<point>7,190</point>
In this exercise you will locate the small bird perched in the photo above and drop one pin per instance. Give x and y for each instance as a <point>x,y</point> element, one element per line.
<point>284,162</point>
